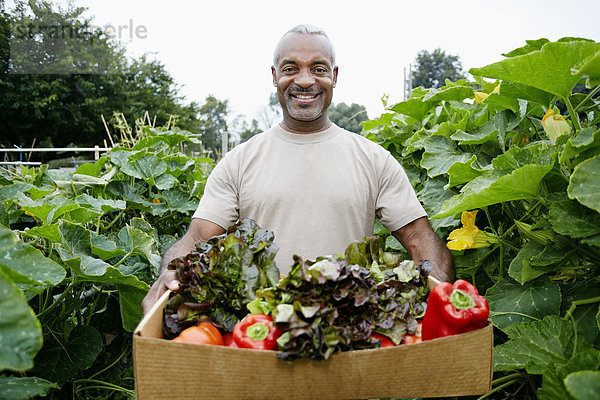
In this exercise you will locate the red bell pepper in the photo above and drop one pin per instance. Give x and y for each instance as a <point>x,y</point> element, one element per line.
<point>454,308</point>
<point>256,331</point>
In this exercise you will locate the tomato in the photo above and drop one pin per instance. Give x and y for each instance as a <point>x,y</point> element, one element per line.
<point>416,338</point>
<point>228,341</point>
<point>385,341</point>
<point>203,333</point>
<point>411,339</point>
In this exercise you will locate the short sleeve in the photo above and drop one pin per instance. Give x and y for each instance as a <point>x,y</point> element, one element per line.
<point>219,203</point>
<point>397,204</point>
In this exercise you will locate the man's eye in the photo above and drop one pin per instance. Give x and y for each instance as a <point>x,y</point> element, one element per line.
<point>321,70</point>
<point>287,69</point>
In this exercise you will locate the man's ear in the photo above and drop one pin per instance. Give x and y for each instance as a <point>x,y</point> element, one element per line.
<point>274,73</point>
<point>335,75</point>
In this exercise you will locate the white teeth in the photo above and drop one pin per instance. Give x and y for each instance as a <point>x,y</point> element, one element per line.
<point>304,97</point>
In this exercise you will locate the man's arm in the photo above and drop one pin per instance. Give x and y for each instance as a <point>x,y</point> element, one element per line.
<point>422,243</point>
<point>200,230</point>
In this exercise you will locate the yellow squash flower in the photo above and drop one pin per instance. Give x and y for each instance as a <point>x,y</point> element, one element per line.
<point>555,125</point>
<point>481,96</point>
<point>469,236</point>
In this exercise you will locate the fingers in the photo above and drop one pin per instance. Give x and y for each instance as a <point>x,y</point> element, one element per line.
<point>170,280</point>
<point>166,281</point>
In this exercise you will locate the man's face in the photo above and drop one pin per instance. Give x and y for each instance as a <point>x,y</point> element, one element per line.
<point>305,76</point>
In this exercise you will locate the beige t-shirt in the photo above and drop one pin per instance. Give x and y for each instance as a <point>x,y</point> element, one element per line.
<point>317,192</point>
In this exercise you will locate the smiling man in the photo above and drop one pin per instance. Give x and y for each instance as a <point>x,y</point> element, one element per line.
<point>318,187</point>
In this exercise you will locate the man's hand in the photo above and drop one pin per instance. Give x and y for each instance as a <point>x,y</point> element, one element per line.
<point>166,281</point>
<point>200,230</point>
<point>422,243</point>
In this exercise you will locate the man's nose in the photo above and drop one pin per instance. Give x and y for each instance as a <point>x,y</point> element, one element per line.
<point>304,79</point>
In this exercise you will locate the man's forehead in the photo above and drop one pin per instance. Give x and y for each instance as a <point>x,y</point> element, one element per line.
<point>293,44</point>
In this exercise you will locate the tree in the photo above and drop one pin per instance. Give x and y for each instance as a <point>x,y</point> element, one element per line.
<point>270,113</point>
<point>432,69</point>
<point>59,76</point>
<point>212,116</point>
<point>248,130</point>
<point>348,117</point>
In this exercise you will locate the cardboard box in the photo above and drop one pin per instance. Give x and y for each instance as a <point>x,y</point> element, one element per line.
<point>457,365</point>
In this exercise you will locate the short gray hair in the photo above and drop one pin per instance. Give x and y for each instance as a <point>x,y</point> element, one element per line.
<point>304,29</point>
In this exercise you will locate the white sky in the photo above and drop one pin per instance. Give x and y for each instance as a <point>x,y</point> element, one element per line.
<point>225,47</point>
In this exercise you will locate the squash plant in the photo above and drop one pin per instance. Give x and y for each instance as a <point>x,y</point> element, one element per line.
<point>508,169</point>
<point>77,254</point>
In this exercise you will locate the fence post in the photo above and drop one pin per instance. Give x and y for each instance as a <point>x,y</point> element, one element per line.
<point>96,152</point>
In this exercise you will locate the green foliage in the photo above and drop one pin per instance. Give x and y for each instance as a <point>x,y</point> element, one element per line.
<point>537,199</point>
<point>432,69</point>
<point>54,89</point>
<point>348,116</point>
<point>212,115</point>
<point>77,254</point>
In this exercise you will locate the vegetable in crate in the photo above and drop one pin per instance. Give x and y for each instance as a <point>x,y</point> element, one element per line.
<point>203,333</point>
<point>454,308</point>
<point>256,331</point>
<point>336,303</point>
<point>221,277</point>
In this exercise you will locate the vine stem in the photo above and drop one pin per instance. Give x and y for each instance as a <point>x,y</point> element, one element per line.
<point>123,259</point>
<point>513,313</point>
<point>107,227</point>
<point>589,96</point>
<point>507,378</point>
<point>498,388</point>
<point>583,302</point>
<point>104,385</point>
<point>574,115</point>
<point>60,298</point>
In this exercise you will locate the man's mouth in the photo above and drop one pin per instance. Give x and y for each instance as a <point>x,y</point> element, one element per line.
<point>305,97</point>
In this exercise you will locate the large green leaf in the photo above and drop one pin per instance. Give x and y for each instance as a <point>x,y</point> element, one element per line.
<point>534,345</point>
<point>179,201</point>
<point>460,173</point>
<point>583,385</point>
<point>586,139</point>
<point>520,268</point>
<point>448,93</point>
<point>531,45</point>
<point>495,128</point>
<point>432,195</point>
<point>511,302</point>
<point>414,107</point>
<point>165,181</point>
<point>591,69</point>
<point>105,248</point>
<point>493,187</point>
<point>520,91</point>
<point>553,386</point>
<point>585,183</point>
<point>548,69</point>
<point>570,218</point>
<point>61,359</point>
<point>25,264</point>
<point>16,388</point>
<point>130,300</point>
<point>136,241</point>
<point>146,167</point>
<point>440,154</point>
<point>76,251</point>
<point>125,191</point>
<point>104,205</point>
<point>20,330</point>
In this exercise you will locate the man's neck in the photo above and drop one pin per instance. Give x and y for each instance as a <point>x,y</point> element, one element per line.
<point>305,127</point>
